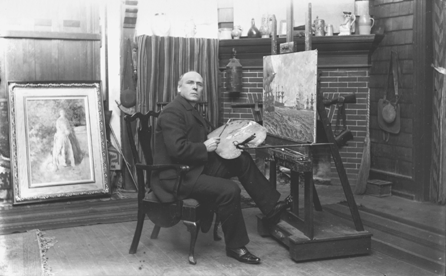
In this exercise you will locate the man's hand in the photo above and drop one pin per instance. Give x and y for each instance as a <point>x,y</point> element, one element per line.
<point>212,144</point>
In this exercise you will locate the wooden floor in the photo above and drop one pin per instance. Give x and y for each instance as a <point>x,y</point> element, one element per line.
<point>103,250</point>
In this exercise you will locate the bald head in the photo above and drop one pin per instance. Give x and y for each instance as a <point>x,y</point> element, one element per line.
<point>190,86</point>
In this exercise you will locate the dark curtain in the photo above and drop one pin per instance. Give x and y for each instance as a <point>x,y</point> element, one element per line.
<point>162,60</point>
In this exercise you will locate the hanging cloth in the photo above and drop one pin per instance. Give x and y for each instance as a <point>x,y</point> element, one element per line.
<point>128,80</point>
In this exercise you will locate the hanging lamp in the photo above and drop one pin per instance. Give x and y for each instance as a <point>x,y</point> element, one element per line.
<point>234,75</point>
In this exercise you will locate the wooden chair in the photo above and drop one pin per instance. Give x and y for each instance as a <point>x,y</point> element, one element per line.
<point>161,214</point>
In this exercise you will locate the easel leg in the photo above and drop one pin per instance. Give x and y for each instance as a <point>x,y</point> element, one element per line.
<point>339,166</point>
<point>308,203</point>
<point>294,191</point>
<point>317,203</point>
<point>273,173</point>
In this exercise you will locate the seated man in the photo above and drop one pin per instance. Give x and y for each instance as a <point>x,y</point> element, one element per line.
<point>181,138</point>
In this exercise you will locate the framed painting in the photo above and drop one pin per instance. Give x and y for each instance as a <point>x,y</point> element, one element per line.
<point>289,96</point>
<point>57,141</point>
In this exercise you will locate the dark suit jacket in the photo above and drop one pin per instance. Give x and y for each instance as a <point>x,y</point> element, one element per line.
<point>179,137</point>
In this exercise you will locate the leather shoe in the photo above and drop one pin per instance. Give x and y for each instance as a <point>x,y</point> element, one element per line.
<point>242,255</point>
<point>273,216</point>
<point>206,221</point>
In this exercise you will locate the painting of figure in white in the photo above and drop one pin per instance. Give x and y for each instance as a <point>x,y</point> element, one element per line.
<point>289,96</point>
<point>58,138</point>
<point>66,149</point>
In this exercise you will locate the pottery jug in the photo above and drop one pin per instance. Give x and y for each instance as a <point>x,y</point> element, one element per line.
<point>365,24</point>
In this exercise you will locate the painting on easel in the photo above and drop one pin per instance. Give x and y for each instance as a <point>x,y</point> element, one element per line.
<point>289,96</point>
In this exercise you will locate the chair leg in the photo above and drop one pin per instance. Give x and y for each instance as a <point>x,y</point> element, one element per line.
<point>192,227</point>
<point>138,230</point>
<point>155,232</point>
<point>216,224</point>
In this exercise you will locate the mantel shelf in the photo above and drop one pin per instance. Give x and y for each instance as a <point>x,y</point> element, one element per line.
<point>333,51</point>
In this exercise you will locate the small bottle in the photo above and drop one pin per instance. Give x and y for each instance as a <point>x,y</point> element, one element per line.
<point>253,31</point>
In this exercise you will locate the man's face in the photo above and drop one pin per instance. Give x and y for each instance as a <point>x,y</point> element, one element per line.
<point>191,86</point>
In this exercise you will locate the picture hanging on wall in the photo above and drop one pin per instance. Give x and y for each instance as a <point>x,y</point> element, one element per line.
<point>289,96</point>
<point>58,144</point>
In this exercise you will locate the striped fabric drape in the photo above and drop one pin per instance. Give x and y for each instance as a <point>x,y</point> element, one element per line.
<point>162,60</point>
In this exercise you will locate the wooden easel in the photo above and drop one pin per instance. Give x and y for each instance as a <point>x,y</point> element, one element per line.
<point>314,235</point>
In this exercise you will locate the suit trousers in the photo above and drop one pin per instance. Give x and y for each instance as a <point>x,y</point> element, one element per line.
<point>216,191</point>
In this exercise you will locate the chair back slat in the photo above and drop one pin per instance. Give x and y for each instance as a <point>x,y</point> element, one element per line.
<point>145,124</point>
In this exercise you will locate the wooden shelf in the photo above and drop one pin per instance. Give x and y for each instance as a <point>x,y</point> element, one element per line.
<point>334,51</point>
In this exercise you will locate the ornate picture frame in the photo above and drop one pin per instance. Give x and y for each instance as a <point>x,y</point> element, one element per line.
<point>58,142</point>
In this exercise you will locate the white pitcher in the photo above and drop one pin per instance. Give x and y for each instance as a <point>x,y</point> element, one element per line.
<point>365,24</point>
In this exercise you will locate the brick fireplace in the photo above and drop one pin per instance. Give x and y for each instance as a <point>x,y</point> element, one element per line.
<point>343,66</point>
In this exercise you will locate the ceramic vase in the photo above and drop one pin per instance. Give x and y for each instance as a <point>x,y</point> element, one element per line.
<point>160,25</point>
<point>236,32</point>
<point>253,31</point>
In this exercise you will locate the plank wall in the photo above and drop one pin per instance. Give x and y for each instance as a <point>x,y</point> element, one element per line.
<point>49,41</point>
<point>403,158</point>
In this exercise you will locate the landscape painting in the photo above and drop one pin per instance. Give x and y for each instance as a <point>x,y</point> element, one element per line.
<point>58,146</point>
<point>289,96</point>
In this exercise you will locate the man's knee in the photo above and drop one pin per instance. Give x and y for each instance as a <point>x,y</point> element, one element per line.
<point>245,161</point>
<point>245,157</point>
<point>232,191</point>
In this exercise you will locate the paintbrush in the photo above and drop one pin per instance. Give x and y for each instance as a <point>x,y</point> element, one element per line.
<point>227,123</point>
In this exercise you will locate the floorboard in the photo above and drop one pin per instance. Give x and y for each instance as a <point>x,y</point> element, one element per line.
<point>103,250</point>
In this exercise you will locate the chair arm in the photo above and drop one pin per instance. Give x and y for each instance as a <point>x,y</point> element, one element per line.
<point>162,167</point>
<point>181,170</point>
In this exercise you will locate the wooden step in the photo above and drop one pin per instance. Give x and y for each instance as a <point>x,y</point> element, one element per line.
<point>53,216</point>
<point>394,227</point>
<point>402,241</point>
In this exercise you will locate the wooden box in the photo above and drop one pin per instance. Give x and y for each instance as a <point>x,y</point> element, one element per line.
<point>379,188</point>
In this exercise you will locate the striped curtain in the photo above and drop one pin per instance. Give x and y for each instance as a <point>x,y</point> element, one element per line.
<point>161,62</point>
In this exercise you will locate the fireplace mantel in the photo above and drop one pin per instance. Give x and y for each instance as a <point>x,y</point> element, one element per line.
<point>333,51</point>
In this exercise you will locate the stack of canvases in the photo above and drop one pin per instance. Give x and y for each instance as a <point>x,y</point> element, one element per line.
<point>4,152</point>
